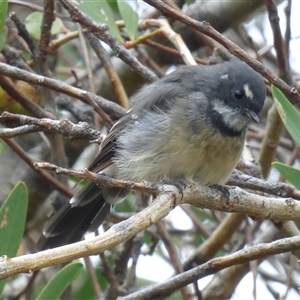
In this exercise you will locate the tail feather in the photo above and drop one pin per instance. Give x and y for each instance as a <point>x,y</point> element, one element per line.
<point>72,221</point>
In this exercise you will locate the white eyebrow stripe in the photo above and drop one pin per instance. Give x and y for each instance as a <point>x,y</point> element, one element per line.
<point>248,91</point>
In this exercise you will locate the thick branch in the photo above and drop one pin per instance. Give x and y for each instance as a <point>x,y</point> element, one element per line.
<point>204,197</point>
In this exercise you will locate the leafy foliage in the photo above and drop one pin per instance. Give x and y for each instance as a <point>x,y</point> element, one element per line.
<point>3,12</point>
<point>130,18</point>
<point>101,12</point>
<point>291,120</point>
<point>106,12</point>
<point>12,222</point>
<point>288,113</point>
<point>58,284</point>
<point>34,21</point>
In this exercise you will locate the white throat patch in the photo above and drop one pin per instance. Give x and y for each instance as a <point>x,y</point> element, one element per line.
<point>232,117</point>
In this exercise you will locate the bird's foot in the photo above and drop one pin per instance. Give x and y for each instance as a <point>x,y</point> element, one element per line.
<point>222,189</point>
<point>179,184</point>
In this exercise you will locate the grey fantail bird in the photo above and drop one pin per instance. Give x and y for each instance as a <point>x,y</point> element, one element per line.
<point>190,125</point>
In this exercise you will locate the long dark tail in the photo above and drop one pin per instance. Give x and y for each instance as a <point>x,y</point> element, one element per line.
<point>72,221</point>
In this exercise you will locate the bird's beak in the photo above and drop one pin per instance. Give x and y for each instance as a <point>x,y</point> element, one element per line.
<point>252,115</point>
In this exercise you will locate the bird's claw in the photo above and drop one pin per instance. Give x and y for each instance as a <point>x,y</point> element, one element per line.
<point>222,189</point>
<point>179,184</point>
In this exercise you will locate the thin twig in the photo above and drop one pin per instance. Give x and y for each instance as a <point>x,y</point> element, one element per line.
<point>205,28</point>
<point>35,7</point>
<point>65,127</point>
<point>287,36</point>
<point>29,105</point>
<point>215,242</point>
<point>173,254</point>
<point>101,179</point>
<point>101,31</point>
<point>45,175</point>
<point>59,86</point>
<point>176,39</point>
<point>93,276</point>
<point>108,66</point>
<point>23,32</point>
<point>256,184</point>
<point>274,124</point>
<point>259,251</point>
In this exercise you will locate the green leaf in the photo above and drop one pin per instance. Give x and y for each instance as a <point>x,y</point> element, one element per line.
<point>33,24</point>
<point>82,182</point>
<point>291,174</point>
<point>141,282</point>
<point>2,147</point>
<point>114,6</point>
<point>128,205</point>
<point>288,114</point>
<point>100,12</point>
<point>2,38</point>
<point>12,222</point>
<point>130,18</point>
<point>175,296</point>
<point>85,289</point>
<point>3,12</point>
<point>58,284</point>
<point>148,239</point>
<point>198,239</point>
<point>202,215</point>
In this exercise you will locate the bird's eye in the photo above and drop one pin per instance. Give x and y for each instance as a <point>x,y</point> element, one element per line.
<point>238,94</point>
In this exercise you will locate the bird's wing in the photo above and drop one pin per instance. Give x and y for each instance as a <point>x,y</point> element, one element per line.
<point>158,96</point>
